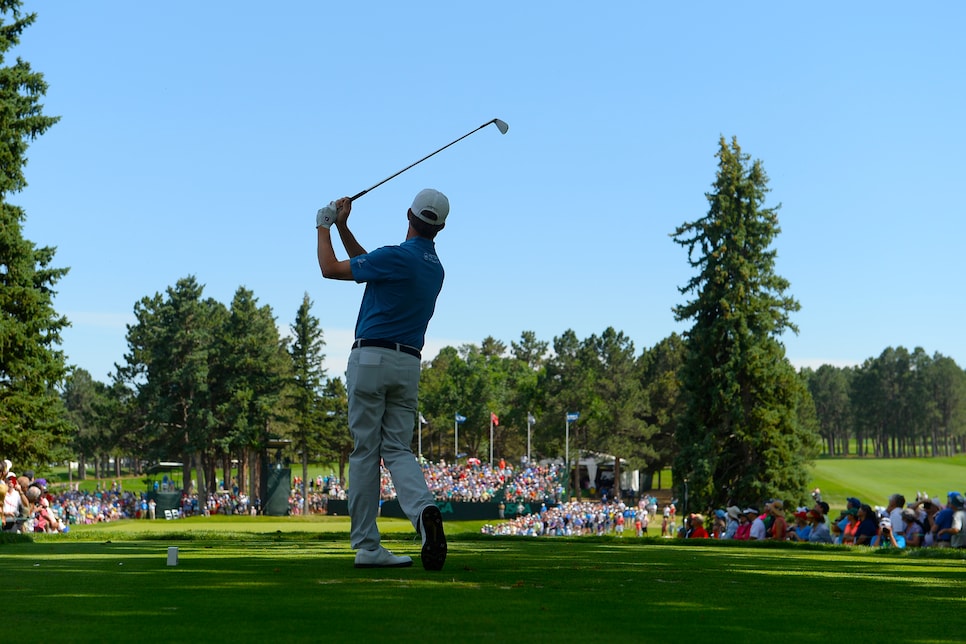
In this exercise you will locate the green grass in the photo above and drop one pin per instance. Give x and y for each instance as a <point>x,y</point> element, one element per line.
<point>283,580</point>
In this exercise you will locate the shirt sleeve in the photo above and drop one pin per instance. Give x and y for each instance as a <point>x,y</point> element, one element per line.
<point>382,264</point>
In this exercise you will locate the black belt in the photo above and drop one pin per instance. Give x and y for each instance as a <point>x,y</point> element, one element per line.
<point>387,344</point>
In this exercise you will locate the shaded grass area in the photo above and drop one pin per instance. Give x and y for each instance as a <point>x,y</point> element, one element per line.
<point>301,586</point>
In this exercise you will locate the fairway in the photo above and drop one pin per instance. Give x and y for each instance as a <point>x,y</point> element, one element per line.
<point>300,585</point>
<point>874,480</point>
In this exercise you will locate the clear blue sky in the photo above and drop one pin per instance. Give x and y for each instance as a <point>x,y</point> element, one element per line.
<point>199,138</point>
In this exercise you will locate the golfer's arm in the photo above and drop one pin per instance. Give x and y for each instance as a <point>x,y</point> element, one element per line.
<point>349,241</point>
<point>331,267</point>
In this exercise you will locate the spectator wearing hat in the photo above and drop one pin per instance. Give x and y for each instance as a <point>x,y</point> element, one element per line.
<point>957,525</point>
<point>697,530</point>
<point>928,510</point>
<point>819,532</point>
<point>732,521</point>
<point>743,531</point>
<point>759,530</point>
<point>886,537</point>
<point>802,528</point>
<point>851,525</point>
<point>720,524</point>
<point>13,503</point>
<point>840,523</point>
<point>943,521</point>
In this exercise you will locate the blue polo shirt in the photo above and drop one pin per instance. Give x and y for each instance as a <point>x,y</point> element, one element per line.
<point>402,284</point>
<point>943,520</point>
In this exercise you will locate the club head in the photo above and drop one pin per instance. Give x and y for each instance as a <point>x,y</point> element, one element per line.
<point>501,125</point>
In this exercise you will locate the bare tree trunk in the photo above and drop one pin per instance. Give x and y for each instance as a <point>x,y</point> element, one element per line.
<point>253,475</point>
<point>242,469</point>
<point>186,474</point>
<point>305,487</point>
<point>617,477</point>
<point>212,474</point>
<point>201,466</point>
<point>226,469</point>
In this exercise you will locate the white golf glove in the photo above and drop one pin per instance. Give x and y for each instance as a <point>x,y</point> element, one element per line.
<point>325,217</point>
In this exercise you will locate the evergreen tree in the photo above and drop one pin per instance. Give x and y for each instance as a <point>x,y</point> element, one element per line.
<point>338,439</point>
<point>568,385</point>
<point>308,375</point>
<point>661,378</point>
<point>741,439</point>
<point>616,425</point>
<point>35,426</point>
<point>830,387</point>
<point>945,383</point>
<point>84,397</point>
<point>442,395</point>
<point>168,367</point>
<point>525,366</point>
<point>253,369</point>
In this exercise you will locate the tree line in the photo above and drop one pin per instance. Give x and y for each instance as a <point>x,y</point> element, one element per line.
<point>212,385</point>
<point>900,403</point>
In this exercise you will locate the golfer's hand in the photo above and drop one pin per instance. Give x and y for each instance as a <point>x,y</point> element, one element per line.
<point>343,207</point>
<point>326,215</point>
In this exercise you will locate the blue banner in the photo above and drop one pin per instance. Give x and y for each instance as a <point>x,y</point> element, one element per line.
<point>460,419</point>
<point>572,416</point>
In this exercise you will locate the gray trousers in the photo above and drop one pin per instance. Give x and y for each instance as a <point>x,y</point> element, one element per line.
<point>383,386</point>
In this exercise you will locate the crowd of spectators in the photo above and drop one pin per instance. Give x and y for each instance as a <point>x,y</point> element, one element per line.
<point>472,481</point>
<point>923,523</point>
<point>29,506</point>
<point>476,481</point>
<point>579,518</point>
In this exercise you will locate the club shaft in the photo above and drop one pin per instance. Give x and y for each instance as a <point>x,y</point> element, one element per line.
<point>393,176</point>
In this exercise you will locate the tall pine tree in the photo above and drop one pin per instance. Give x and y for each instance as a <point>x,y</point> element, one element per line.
<point>308,376</point>
<point>32,414</point>
<point>745,435</point>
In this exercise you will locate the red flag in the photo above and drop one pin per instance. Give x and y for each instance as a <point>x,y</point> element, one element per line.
<point>494,418</point>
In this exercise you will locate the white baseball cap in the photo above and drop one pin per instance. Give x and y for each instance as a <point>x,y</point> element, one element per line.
<point>431,206</point>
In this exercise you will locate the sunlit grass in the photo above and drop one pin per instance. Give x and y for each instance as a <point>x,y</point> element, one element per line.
<point>300,585</point>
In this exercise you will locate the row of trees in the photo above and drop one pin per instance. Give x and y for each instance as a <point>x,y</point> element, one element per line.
<point>901,403</point>
<point>214,385</point>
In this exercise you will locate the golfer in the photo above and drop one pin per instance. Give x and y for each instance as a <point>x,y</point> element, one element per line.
<point>382,379</point>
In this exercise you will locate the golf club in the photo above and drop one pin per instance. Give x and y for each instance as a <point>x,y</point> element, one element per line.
<point>501,125</point>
